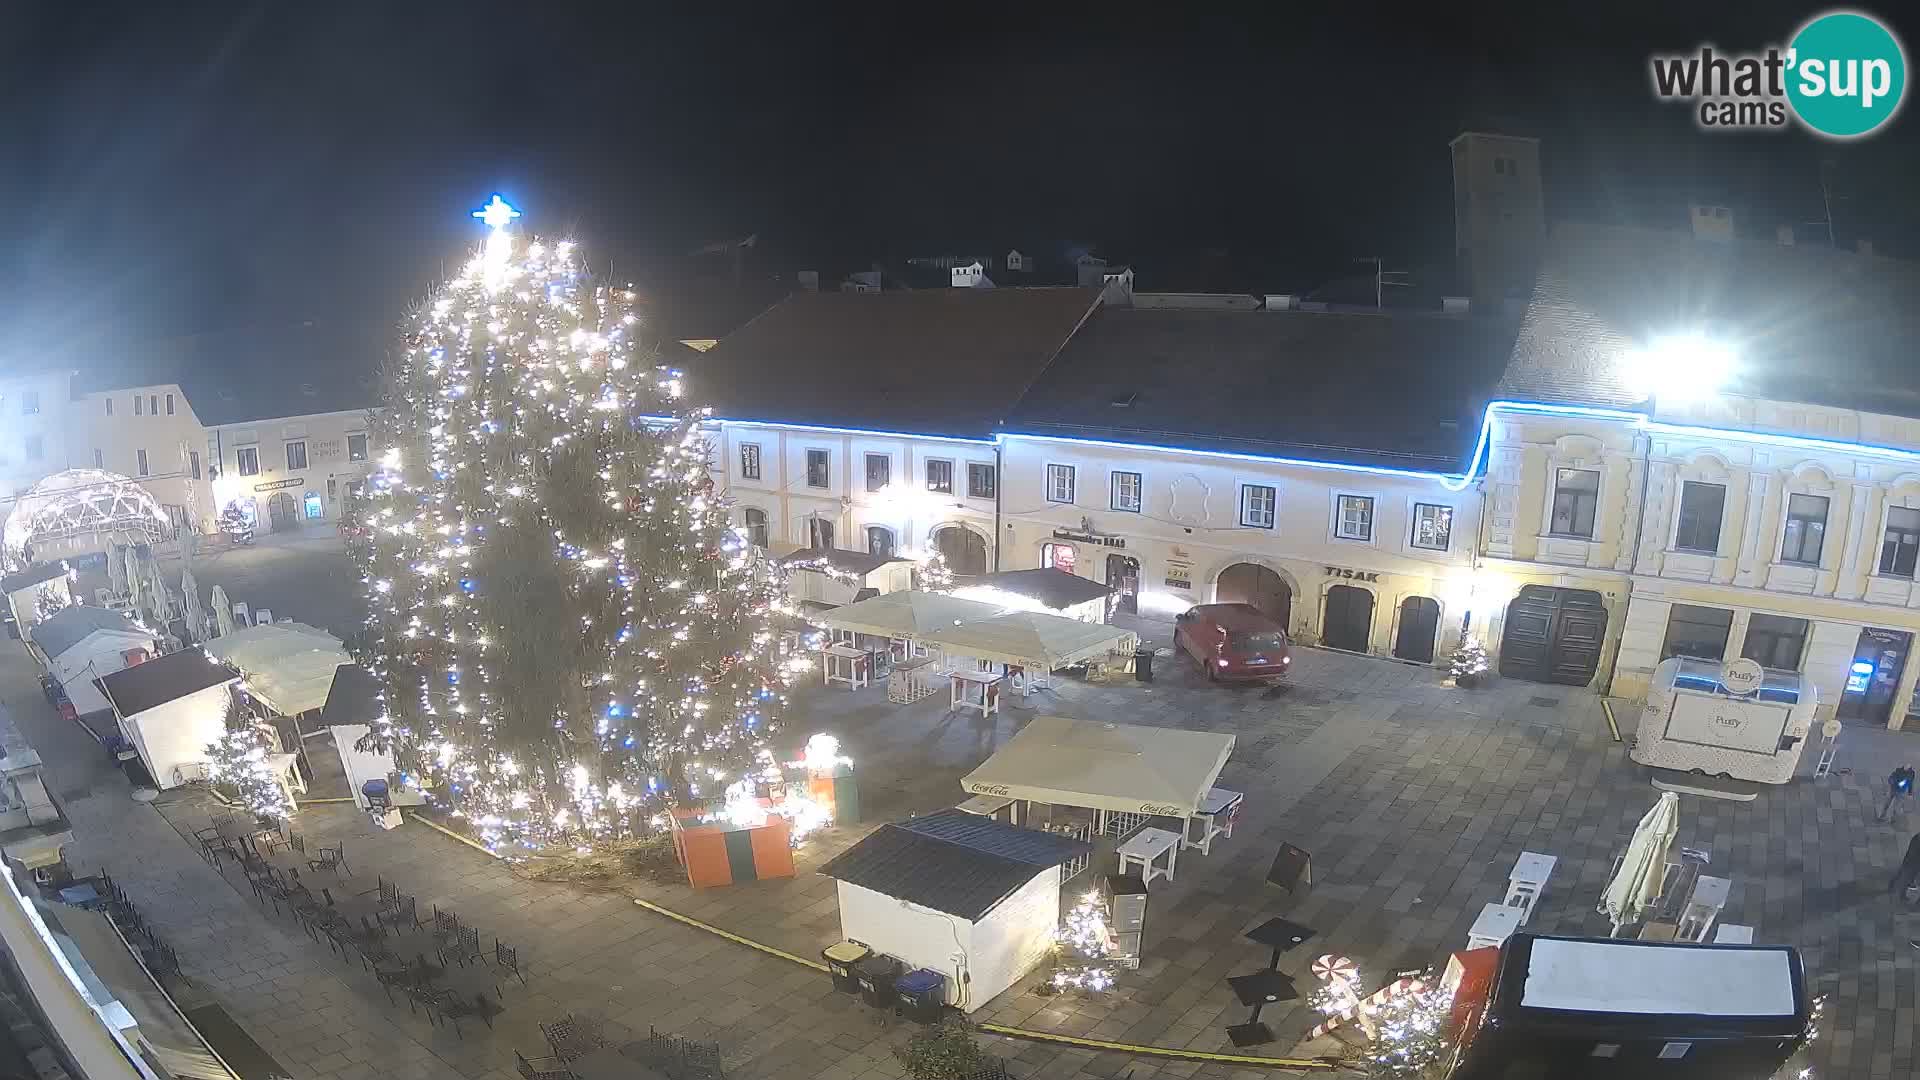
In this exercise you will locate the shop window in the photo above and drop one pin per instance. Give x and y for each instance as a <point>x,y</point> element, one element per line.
<point>749,461</point>
<point>1058,556</point>
<point>1576,496</point>
<point>940,476</point>
<point>1699,632</point>
<point>1806,529</point>
<point>879,472</point>
<point>754,521</point>
<point>1354,520</point>
<point>1060,483</point>
<point>981,481</point>
<point>1126,492</point>
<point>1701,508</point>
<point>1775,641</point>
<point>819,468</point>
<point>1432,526</point>
<point>248,459</point>
<point>1257,502</point>
<point>1901,542</point>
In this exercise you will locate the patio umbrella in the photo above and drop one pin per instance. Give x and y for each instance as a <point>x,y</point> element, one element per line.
<point>190,597</point>
<point>1636,883</point>
<point>222,611</point>
<point>133,577</point>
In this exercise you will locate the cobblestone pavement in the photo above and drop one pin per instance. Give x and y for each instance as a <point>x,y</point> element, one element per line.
<point>1414,800</point>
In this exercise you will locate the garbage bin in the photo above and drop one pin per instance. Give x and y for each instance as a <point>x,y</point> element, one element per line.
<point>923,994</point>
<point>376,793</point>
<point>841,962</point>
<point>877,974</point>
<point>1143,665</point>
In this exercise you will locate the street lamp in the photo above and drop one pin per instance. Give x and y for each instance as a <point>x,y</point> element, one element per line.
<point>1679,369</point>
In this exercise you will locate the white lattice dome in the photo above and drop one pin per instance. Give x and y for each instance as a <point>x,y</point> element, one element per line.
<point>79,502</point>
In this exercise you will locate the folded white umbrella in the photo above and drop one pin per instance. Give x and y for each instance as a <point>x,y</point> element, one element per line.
<point>222,611</point>
<point>1637,882</point>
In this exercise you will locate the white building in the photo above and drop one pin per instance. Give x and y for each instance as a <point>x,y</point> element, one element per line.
<point>33,419</point>
<point>151,434</point>
<point>292,470</point>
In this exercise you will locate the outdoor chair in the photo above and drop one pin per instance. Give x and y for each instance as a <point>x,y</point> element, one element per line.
<point>371,941</point>
<point>530,1071</point>
<point>297,842</point>
<point>508,957</point>
<point>388,978</point>
<point>329,858</point>
<point>405,912</point>
<point>423,997</point>
<point>446,924</point>
<point>454,1008</point>
<point>465,946</point>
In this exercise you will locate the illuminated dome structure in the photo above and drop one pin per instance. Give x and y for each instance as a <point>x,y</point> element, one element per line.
<point>70,506</point>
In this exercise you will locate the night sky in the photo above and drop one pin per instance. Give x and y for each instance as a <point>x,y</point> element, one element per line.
<point>240,168</point>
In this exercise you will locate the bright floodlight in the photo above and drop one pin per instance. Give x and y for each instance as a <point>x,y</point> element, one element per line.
<point>1682,368</point>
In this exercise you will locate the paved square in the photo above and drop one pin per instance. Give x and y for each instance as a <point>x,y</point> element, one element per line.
<point>1414,800</point>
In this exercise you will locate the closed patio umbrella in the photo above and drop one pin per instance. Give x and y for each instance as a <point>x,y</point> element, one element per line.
<point>1637,882</point>
<point>134,578</point>
<point>222,611</point>
<point>190,597</point>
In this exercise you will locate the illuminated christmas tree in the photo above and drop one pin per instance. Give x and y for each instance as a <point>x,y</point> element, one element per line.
<point>1469,662</point>
<point>568,631</point>
<point>238,760</point>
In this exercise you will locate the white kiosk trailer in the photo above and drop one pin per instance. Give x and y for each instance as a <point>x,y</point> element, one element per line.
<point>1735,720</point>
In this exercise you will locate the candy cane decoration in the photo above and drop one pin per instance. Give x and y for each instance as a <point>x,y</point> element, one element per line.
<point>1331,968</point>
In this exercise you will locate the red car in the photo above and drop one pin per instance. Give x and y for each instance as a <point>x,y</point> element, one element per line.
<point>1233,641</point>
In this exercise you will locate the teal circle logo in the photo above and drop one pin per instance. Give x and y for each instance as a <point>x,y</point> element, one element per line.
<point>1847,74</point>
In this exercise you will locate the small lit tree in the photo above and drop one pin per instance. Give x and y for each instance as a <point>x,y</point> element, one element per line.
<point>1469,662</point>
<point>1084,945</point>
<point>47,603</point>
<point>238,761</point>
<point>933,574</point>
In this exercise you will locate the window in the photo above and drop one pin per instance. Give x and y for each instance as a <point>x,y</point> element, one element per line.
<point>1700,512</point>
<point>1506,166</point>
<point>1355,520</point>
<point>109,406</point>
<point>755,521</point>
<point>879,471</point>
<point>1256,505</point>
<point>980,480</point>
<point>1126,492</point>
<point>333,489</point>
<point>940,476</point>
<point>297,455</point>
<point>749,461</point>
<point>193,463</point>
<point>99,459</point>
<point>818,467</point>
<point>35,448</point>
<point>1699,632</point>
<point>356,448</point>
<point>1806,529</point>
<point>1902,541</point>
<point>248,460</point>
<point>139,405</point>
<point>1432,526</point>
<point>30,403</point>
<point>1576,492</point>
<point>1058,556</point>
<point>1060,483</point>
<point>169,404</point>
<point>1775,641</point>
<point>140,461</point>
<point>153,404</point>
<point>879,542</point>
<point>819,534</point>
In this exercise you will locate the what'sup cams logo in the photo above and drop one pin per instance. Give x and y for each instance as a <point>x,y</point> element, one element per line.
<point>1843,76</point>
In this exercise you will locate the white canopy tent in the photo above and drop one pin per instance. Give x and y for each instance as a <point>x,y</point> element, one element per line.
<point>907,614</point>
<point>1105,767</point>
<point>288,666</point>
<point>1032,640</point>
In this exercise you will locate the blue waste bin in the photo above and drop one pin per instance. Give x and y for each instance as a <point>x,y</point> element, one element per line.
<point>923,995</point>
<point>376,793</point>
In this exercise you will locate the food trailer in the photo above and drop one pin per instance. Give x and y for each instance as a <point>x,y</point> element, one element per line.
<point>1602,1007</point>
<point>1735,720</point>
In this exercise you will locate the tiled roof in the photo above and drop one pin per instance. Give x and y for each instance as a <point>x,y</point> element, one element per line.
<point>76,623</point>
<point>1394,390</point>
<point>171,677</point>
<point>933,362</point>
<point>354,697</point>
<point>1807,323</point>
<point>959,863</point>
<point>33,575</point>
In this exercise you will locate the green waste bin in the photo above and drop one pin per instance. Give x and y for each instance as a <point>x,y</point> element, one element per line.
<point>842,960</point>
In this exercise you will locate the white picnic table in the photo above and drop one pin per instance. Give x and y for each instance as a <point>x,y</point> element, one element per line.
<point>1215,815</point>
<point>846,664</point>
<point>1145,848</point>
<point>1496,924</point>
<point>976,690</point>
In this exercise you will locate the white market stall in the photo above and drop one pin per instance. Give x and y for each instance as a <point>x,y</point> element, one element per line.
<point>170,710</point>
<point>21,592</point>
<point>1124,773</point>
<point>904,616</point>
<point>1034,642</point>
<point>972,898</point>
<point>352,705</point>
<point>83,643</point>
<point>835,578</point>
<point>1736,720</point>
<point>1048,590</point>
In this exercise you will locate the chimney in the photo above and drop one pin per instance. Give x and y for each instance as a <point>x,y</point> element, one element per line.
<point>1783,234</point>
<point>1455,305</point>
<point>809,280</point>
<point>1279,301</point>
<point>1117,287</point>
<point>1863,245</point>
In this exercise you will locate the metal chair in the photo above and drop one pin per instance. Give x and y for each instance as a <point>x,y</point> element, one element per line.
<point>465,947</point>
<point>329,858</point>
<point>454,1008</point>
<point>446,926</point>
<point>508,957</point>
<point>530,1071</point>
<point>406,911</point>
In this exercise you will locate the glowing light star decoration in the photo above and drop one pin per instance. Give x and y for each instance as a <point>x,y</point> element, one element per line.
<point>569,636</point>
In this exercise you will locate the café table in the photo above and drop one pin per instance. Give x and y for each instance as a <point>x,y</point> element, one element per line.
<point>1258,990</point>
<point>1279,935</point>
<point>1145,848</point>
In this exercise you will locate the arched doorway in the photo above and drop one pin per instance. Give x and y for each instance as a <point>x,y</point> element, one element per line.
<point>1123,577</point>
<point>964,550</point>
<point>1349,620</point>
<point>1251,583</point>
<point>1419,620</point>
<point>880,541</point>
<point>281,512</point>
